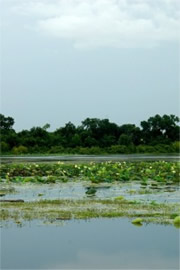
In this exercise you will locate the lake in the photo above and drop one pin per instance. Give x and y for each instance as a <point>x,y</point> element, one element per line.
<point>94,244</point>
<point>77,190</point>
<point>87,158</point>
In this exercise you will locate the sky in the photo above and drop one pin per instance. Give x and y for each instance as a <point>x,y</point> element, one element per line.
<point>66,60</point>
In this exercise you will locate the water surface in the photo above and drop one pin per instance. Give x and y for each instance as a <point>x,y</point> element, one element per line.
<point>94,244</point>
<point>77,190</point>
<point>87,158</point>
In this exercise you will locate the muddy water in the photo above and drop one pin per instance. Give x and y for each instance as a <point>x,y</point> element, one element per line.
<point>87,158</point>
<point>94,244</point>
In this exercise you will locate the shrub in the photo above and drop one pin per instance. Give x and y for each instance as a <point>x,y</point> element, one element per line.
<point>17,150</point>
<point>118,149</point>
<point>145,149</point>
<point>56,149</point>
<point>4,147</point>
<point>176,147</point>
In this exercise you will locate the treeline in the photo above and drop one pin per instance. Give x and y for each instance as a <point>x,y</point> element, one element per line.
<point>159,134</point>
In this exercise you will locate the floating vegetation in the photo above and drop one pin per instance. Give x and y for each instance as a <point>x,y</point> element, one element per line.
<point>158,171</point>
<point>7,190</point>
<point>91,191</point>
<point>177,222</point>
<point>53,210</point>
<point>147,178</point>
<point>119,198</point>
<point>137,221</point>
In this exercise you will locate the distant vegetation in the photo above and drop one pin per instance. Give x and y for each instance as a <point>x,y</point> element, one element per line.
<point>159,134</point>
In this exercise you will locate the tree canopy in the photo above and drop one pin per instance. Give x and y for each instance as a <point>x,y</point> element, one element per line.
<point>93,133</point>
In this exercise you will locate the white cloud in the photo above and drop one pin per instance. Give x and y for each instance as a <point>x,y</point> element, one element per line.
<point>106,23</point>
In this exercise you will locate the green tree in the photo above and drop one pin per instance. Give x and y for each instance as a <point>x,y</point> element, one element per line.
<point>46,126</point>
<point>76,140</point>
<point>132,132</point>
<point>160,129</point>
<point>125,139</point>
<point>6,123</point>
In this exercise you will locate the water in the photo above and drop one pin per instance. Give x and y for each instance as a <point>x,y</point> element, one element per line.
<point>94,244</point>
<point>76,190</point>
<point>87,158</point>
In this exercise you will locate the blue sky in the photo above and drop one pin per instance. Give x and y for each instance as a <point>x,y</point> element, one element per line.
<point>67,60</point>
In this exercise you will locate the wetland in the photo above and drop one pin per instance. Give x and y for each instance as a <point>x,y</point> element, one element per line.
<point>94,215</point>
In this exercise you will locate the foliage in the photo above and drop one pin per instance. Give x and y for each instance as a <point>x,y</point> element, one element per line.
<point>159,129</point>
<point>6,123</point>
<point>65,209</point>
<point>159,134</point>
<point>137,221</point>
<point>4,147</point>
<point>158,171</point>
<point>19,150</point>
<point>91,191</point>
<point>177,220</point>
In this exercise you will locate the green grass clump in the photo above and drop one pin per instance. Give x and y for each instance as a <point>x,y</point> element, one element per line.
<point>137,221</point>
<point>119,198</point>
<point>177,222</point>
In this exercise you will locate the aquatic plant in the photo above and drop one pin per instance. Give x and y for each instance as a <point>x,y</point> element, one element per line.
<point>177,222</point>
<point>173,215</point>
<point>159,172</point>
<point>91,191</point>
<point>137,221</point>
<point>53,210</point>
<point>119,198</point>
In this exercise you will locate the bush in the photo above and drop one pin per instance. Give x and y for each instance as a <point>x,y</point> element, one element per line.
<point>56,150</point>
<point>17,150</point>
<point>162,148</point>
<point>4,147</point>
<point>145,149</point>
<point>176,147</point>
<point>118,149</point>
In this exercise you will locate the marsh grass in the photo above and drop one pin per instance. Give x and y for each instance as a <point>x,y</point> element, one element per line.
<point>51,210</point>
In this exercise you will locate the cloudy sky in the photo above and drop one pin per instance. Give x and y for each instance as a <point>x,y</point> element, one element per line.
<point>65,60</point>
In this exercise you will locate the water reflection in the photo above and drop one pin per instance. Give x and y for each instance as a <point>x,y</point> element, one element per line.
<point>95,244</point>
<point>87,158</point>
